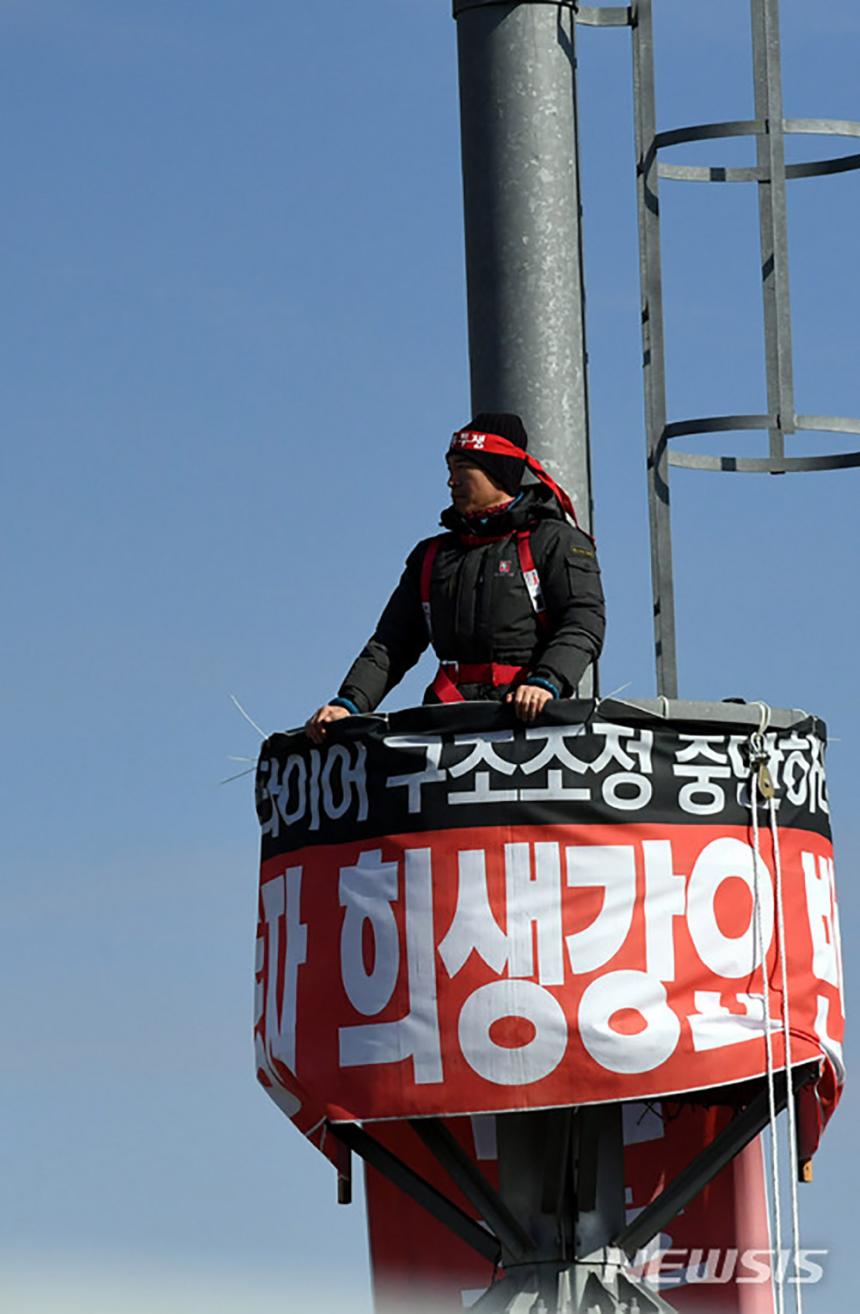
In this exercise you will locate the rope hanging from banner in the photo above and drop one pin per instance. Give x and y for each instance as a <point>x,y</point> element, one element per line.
<point>786,1031</point>
<point>761,784</point>
<point>756,763</point>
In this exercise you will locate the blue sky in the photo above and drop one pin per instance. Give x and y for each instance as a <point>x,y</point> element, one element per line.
<point>234,338</point>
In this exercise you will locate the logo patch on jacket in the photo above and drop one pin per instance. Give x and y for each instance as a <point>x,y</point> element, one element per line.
<point>505,567</point>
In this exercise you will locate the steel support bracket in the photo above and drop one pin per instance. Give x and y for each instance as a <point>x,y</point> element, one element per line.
<point>742,1129</point>
<point>417,1188</point>
<point>462,1170</point>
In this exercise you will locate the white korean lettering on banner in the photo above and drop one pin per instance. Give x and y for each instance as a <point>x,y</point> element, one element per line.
<point>637,748</point>
<point>714,1025</point>
<point>352,782</point>
<point>534,900</point>
<point>627,789</point>
<point>366,892</point>
<point>512,998</point>
<point>287,1100</point>
<point>289,1103</point>
<point>630,1052</point>
<point>473,926</point>
<point>665,899</point>
<point>531,900</point>
<point>429,774</point>
<point>704,765</point>
<point>293,777</point>
<point>416,1034</point>
<point>612,868</point>
<point>319,785</point>
<point>281,900</point>
<point>822,911</point>
<point>725,859</point>
<point>533,912</point>
<point>803,772</point>
<point>524,946</point>
<point>554,749</point>
<point>837,931</point>
<point>315,785</point>
<point>483,754</point>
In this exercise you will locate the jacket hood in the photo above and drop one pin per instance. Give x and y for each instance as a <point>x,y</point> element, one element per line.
<point>536,502</point>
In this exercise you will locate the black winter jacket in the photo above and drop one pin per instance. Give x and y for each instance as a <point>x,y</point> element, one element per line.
<point>480,607</point>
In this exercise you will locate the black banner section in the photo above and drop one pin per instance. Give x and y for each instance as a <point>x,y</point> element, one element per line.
<point>475,765</point>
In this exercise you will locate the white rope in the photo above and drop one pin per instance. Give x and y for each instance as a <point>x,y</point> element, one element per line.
<point>756,743</point>
<point>786,1031</point>
<point>235,701</point>
<point>626,685</point>
<point>764,718</point>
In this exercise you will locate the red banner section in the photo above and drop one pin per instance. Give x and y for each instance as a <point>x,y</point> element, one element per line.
<point>484,970</point>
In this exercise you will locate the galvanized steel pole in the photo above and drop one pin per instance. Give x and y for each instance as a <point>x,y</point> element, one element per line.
<point>522,218</point>
<point>654,352</point>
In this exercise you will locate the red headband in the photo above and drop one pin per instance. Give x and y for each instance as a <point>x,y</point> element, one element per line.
<point>469,440</point>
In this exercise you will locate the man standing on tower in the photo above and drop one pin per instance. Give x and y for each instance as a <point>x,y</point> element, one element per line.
<point>509,596</point>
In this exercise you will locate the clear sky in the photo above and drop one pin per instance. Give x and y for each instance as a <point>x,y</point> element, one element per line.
<point>233,340</point>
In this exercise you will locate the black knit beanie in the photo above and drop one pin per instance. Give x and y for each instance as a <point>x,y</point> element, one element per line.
<point>506,471</point>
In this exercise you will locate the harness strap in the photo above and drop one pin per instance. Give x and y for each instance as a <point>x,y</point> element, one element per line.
<point>426,575</point>
<point>452,674</point>
<point>527,566</point>
<point>444,687</point>
<point>531,577</point>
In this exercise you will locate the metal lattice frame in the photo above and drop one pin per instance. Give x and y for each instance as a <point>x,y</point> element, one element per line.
<point>770,174</point>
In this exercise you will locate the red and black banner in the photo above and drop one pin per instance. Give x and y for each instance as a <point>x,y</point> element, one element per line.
<point>463,915</point>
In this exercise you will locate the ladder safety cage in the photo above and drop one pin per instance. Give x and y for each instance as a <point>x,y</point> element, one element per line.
<point>770,174</point>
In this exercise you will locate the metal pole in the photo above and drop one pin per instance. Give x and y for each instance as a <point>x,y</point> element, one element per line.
<point>522,218</point>
<point>773,222</point>
<point>654,351</point>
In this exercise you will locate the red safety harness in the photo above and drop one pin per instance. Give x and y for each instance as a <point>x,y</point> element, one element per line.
<point>451,674</point>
